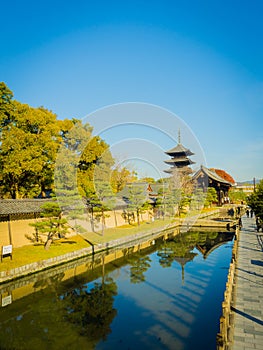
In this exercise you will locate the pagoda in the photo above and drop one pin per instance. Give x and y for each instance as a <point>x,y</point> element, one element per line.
<point>180,161</point>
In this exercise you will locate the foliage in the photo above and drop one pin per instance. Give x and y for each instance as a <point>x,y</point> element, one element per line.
<point>173,196</point>
<point>139,264</point>
<point>237,196</point>
<point>224,175</point>
<point>91,311</point>
<point>211,197</point>
<point>29,140</point>
<point>136,199</point>
<point>149,180</point>
<point>255,200</point>
<point>52,225</point>
<point>120,176</point>
<point>197,199</point>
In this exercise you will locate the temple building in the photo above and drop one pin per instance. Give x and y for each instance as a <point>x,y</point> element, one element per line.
<point>205,178</point>
<point>180,161</point>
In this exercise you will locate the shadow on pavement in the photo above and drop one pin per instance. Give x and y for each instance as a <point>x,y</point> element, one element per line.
<point>252,318</point>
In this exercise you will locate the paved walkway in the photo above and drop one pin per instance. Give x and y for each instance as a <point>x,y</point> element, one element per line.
<point>248,306</point>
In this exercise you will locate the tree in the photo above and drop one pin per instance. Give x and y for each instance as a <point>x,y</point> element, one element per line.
<point>139,264</point>
<point>83,165</point>
<point>255,200</point>
<point>29,140</point>
<point>237,196</point>
<point>106,200</point>
<point>169,197</point>
<point>91,310</point>
<point>52,225</point>
<point>149,180</point>
<point>136,199</point>
<point>120,176</point>
<point>6,105</point>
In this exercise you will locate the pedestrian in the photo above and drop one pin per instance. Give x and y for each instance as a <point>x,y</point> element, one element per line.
<point>247,213</point>
<point>259,224</point>
<point>251,213</point>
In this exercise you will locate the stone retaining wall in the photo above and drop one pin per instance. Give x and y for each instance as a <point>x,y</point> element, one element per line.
<point>45,264</point>
<point>224,336</point>
<point>48,263</point>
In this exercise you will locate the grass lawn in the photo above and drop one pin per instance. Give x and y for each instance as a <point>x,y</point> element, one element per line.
<point>111,234</point>
<point>32,253</point>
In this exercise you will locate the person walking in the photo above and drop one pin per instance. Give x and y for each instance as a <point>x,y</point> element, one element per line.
<point>258,224</point>
<point>247,211</point>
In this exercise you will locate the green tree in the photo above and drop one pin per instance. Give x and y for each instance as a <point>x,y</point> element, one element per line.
<point>255,200</point>
<point>105,200</point>
<point>211,197</point>
<point>237,196</point>
<point>29,140</point>
<point>91,311</point>
<point>50,226</point>
<point>139,265</point>
<point>83,162</point>
<point>136,199</point>
<point>6,105</point>
<point>120,176</point>
<point>168,199</point>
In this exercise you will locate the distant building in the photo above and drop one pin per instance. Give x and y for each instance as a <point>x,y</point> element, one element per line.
<point>247,189</point>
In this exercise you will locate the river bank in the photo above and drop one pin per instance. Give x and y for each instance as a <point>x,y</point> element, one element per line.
<point>213,219</point>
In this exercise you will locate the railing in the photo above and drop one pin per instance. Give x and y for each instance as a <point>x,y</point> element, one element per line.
<point>224,336</point>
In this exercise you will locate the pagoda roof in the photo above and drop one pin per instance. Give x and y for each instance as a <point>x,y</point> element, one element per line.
<point>179,149</point>
<point>179,160</point>
<point>172,170</point>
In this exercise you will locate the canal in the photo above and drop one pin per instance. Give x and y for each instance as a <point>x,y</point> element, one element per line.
<point>165,293</point>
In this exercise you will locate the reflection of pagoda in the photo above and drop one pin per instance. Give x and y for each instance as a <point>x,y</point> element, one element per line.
<point>182,260</point>
<point>179,159</point>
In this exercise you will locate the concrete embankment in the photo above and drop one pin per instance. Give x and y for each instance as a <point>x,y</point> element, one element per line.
<point>93,249</point>
<point>209,220</point>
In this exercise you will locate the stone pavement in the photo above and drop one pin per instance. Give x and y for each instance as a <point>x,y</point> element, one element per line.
<point>248,304</point>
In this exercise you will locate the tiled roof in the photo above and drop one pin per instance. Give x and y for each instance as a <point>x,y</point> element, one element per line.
<point>180,149</point>
<point>213,175</point>
<point>179,160</point>
<point>21,206</point>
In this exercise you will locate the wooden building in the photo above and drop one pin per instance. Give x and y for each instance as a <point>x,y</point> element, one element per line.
<point>205,178</point>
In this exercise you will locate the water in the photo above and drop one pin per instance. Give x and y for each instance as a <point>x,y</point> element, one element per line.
<point>161,294</point>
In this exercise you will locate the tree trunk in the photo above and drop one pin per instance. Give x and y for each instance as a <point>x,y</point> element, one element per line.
<point>115,218</point>
<point>138,217</point>
<point>102,222</point>
<point>48,243</point>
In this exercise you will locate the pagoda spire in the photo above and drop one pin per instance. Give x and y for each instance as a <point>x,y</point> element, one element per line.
<point>179,136</point>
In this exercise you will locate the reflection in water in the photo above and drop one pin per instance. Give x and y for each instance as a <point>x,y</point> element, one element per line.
<point>160,294</point>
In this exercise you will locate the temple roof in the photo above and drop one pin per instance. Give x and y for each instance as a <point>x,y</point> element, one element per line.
<point>179,160</point>
<point>212,174</point>
<point>179,149</point>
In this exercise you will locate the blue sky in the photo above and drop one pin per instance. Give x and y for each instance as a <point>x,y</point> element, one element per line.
<point>201,60</point>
